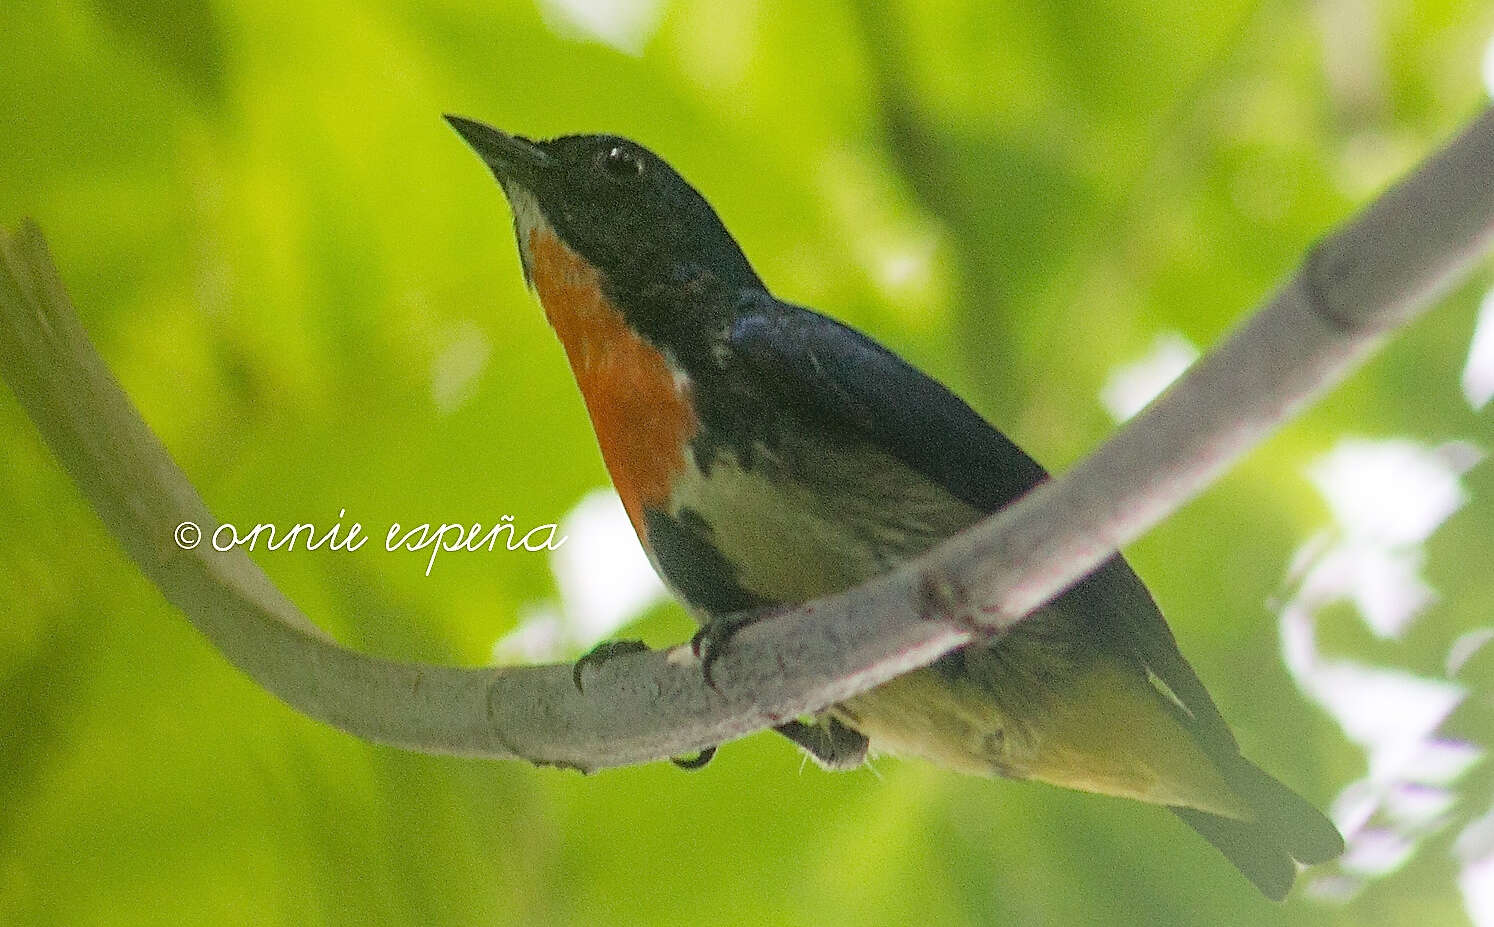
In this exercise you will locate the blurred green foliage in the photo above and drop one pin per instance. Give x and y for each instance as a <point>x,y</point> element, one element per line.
<point>309,287</point>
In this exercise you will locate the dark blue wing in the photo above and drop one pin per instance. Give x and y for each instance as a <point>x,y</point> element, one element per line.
<point>838,379</point>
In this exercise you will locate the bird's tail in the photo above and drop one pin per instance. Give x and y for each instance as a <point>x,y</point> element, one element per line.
<point>1286,829</point>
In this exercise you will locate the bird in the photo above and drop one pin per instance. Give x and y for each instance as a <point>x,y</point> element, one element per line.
<point>767,455</point>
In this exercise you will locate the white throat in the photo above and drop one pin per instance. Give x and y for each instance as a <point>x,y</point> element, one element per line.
<point>527,219</point>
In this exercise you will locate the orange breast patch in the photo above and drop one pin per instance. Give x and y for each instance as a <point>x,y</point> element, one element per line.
<point>642,419</point>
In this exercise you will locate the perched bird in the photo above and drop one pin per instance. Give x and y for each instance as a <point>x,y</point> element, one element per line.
<point>767,454</point>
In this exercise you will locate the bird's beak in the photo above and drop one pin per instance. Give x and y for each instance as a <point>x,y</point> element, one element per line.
<point>511,158</point>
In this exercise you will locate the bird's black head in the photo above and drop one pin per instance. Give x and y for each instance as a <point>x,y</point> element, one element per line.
<point>614,202</point>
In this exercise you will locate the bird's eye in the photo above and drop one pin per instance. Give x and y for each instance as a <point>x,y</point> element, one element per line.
<point>621,163</point>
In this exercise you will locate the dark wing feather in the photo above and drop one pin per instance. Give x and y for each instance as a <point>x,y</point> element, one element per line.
<point>840,380</point>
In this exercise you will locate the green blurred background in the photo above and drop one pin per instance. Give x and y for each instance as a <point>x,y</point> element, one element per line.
<point>308,284</point>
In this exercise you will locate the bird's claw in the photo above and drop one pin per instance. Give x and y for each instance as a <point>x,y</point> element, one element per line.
<point>709,643</point>
<point>694,762</point>
<point>600,654</point>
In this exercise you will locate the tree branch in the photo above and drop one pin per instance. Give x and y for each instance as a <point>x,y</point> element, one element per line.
<point>1374,275</point>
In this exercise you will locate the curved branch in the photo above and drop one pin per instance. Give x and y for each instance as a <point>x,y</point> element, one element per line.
<point>1374,275</point>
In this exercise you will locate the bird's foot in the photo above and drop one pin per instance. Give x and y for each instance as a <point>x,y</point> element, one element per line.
<point>616,648</point>
<point>605,651</point>
<point>600,654</point>
<point>833,745</point>
<point>709,643</point>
